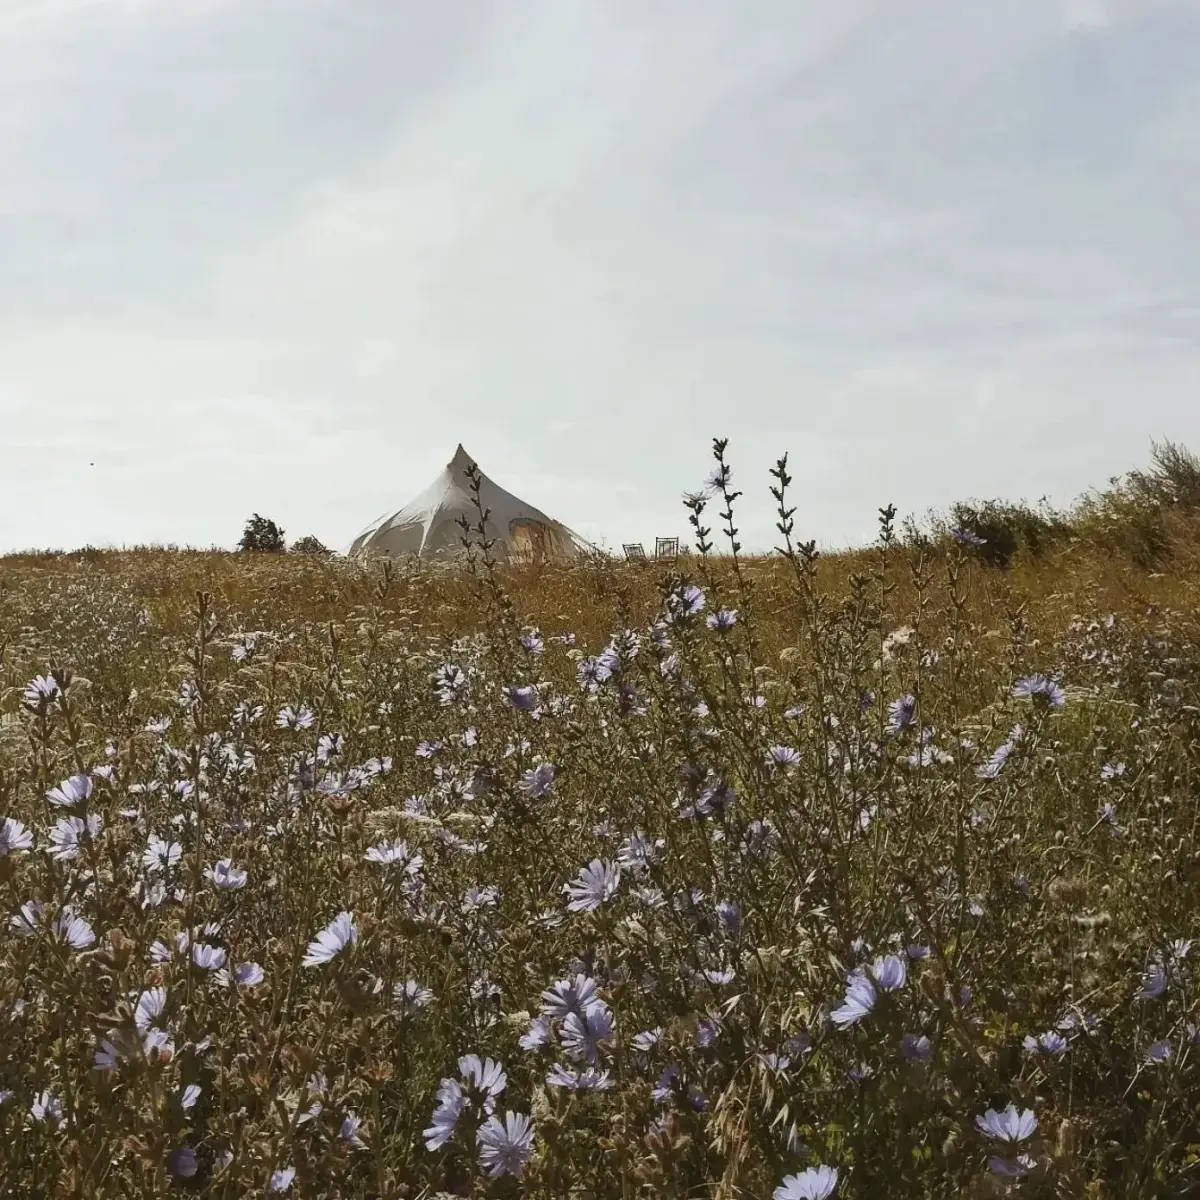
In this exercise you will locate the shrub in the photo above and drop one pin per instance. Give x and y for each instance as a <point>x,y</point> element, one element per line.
<point>1138,514</point>
<point>311,545</point>
<point>1007,529</point>
<point>262,535</point>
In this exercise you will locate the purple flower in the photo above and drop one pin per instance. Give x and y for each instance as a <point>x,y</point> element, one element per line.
<point>1009,1125</point>
<point>208,958</point>
<point>891,972</point>
<point>715,797</point>
<point>161,855</point>
<point>484,1078</point>
<point>108,1057</point>
<point>570,996</point>
<point>47,1107</point>
<point>1154,982</point>
<point>588,1080</point>
<point>901,713</point>
<point>645,1041</point>
<point>995,764</point>
<point>1159,1052</point>
<point>1050,1042</point>
<point>667,1081</point>
<point>410,997</point>
<point>582,1037</point>
<point>1040,688</point>
<point>290,718</point>
<point>537,1035</point>
<point>593,886</point>
<point>816,1183</point>
<point>722,620</point>
<point>332,940</point>
<point>395,854</point>
<point>523,699</point>
<point>687,602</point>
<point>182,1162</point>
<point>857,1003</point>
<point>448,680</point>
<point>730,916</point>
<point>150,1006</point>
<point>451,1101</point>
<point>591,673</point>
<point>638,852</point>
<point>158,1044</point>
<point>504,1149</point>
<point>783,756</point>
<point>69,833</point>
<point>329,745</point>
<point>967,537</point>
<point>536,783</point>
<point>914,1048</point>
<point>71,791</point>
<point>40,692</point>
<point>1012,1168</point>
<point>248,974</point>
<point>73,930</point>
<point>351,1124</point>
<point>225,876</point>
<point>14,837</point>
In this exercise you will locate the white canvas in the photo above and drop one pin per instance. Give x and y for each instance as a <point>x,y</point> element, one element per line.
<point>429,526</point>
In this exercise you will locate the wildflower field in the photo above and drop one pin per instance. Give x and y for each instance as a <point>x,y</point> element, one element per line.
<point>749,877</point>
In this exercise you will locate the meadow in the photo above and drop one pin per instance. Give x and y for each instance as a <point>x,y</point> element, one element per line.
<point>868,875</point>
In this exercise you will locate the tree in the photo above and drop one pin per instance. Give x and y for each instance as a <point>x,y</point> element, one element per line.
<point>311,545</point>
<point>262,535</point>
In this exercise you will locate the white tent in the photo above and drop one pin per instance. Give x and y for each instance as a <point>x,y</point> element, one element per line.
<point>430,527</point>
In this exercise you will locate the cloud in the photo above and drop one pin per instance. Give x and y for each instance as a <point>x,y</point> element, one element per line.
<point>932,250</point>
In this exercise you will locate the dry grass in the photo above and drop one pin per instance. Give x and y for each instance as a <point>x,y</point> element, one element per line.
<point>799,826</point>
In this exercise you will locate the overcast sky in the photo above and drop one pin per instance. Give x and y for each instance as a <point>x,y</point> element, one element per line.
<point>283,255</point>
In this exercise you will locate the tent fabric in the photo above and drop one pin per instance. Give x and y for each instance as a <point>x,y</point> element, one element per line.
<point>429,525</point>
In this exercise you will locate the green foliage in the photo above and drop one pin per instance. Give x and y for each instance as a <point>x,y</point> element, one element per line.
<point>1009,529</point>
<point>1140,513</point>
<point>311,545</point>
<point>261,535</point>
<point>1140,517</point>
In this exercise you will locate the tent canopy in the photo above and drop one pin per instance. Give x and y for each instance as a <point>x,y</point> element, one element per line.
<point>429,526</point>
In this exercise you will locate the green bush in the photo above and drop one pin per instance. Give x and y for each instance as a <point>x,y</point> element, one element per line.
<point>1009,529</point>
<point>1138,513</point>
<point>261,534</point>
<point>311,545</point>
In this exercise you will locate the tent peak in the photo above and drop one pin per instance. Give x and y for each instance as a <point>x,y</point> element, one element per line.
<point>461,460</point>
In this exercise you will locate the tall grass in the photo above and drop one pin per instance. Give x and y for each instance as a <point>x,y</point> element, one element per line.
<point>764,876</point>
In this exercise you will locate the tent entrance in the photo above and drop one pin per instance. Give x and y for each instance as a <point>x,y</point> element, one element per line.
<point>533,541</point>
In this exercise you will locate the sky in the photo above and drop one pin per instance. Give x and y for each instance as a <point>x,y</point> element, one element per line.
<point>282,256</point>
